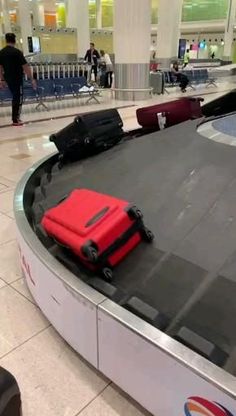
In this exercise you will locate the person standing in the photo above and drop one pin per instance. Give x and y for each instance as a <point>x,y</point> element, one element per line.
<point>92,56</point>
<point>186,58</point>
<point>105,58</point>
<point>12,67</point>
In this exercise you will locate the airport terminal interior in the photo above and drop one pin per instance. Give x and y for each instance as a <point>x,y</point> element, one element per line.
<point>134,99</point>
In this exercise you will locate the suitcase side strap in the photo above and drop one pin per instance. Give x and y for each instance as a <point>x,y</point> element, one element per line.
<point>121,241</point>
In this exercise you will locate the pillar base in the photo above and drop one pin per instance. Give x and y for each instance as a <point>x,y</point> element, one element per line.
<point>133,77</point>
<point>227,58</point>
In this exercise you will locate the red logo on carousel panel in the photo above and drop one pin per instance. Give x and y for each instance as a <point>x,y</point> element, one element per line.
<point>26,267</point>
<point>198,406</point>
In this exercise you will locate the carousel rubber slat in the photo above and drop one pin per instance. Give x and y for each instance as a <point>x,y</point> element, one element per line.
<point>213,315</point>
<point>107,289</point>
<point>171,287</point>
<point>147,312</point>
<point>202,346</point>
<point>39,195</point>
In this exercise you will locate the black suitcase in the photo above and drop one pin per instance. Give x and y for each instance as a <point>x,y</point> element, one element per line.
<point>89,134</point>
<point>10,398</point>
<point>220,106</point>
<point>103,80</point>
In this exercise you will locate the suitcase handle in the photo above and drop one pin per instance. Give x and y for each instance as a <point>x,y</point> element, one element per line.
<point>97,217</point>
<point>62,199</point>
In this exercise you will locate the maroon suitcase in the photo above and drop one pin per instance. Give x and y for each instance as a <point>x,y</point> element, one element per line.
<point>168,114</point>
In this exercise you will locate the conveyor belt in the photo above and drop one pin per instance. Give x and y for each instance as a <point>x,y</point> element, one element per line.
<point>185,185</point>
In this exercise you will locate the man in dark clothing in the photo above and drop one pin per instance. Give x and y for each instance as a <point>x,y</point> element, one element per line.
<point>92,57</point>
<point>181,78</point>
<point>12,67</point>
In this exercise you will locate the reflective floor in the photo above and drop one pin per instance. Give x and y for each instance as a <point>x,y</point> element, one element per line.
<point>222,130</point>
<point>54,380</point>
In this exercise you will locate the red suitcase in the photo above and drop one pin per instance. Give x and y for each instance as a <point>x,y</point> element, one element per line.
<point>171,113</point>
<point>101,230</point>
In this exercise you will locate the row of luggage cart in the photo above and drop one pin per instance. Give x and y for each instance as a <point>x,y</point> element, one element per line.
<point>159,80</point>
<point>60,70</point>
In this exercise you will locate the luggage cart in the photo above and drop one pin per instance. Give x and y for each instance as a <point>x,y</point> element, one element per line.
<point>69,70</point>
<point>63,70</point>
<point>53,70</point>
<point>58,69</point>
<point>76,65</point>
<point>47,71</point>
<point>73,69</point>
<point>42,71</point>
<point>88,71</point>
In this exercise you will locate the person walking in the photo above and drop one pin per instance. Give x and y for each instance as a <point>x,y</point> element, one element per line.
<point>92,56</point>
<point>186,58</point>
<point>12,67</point>
<point>106,60</point>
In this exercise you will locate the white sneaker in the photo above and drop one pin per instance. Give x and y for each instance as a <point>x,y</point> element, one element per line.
<point>84,89</point>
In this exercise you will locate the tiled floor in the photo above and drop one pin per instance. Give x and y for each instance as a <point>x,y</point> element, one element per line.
<point>54,380</point>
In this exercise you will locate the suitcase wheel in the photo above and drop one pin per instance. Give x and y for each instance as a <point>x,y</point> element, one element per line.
<point>147,235</point>
<point>91,253</point>
<point>135,213</point>
<point>107,274</point>
<point>87,140</point>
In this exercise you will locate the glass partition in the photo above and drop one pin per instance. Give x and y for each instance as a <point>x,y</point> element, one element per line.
<point>195,10</point>
<point>61,15</point>
<point>154,11</point>
<point>92,14</point>
<point>107,13</point>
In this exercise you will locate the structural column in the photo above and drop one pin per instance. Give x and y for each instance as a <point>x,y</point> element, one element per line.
<point>25,23</point>
<point>132,37</point>
<point>168,31</point>
<point>78,18</point>
<point>38,13</point>
<point>229,30</point>
<point>1,33</point>
<point>5,16</point>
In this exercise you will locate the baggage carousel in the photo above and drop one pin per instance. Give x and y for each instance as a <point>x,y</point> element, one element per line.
<point>184,180</point>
